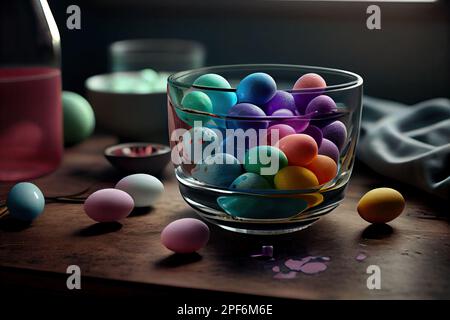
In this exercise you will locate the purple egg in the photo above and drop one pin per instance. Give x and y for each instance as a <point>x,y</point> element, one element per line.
<point>283,113</point>
<point>299,124</point>
<point>246,110</point>
<point>322,105</point>
<point>281,100</point>
<point>336,132</point>
<point>315,133</point>
<point>302,99</point>
<point>329,149</point>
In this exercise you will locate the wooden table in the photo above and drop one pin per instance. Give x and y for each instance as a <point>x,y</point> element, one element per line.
<point>413,253</point>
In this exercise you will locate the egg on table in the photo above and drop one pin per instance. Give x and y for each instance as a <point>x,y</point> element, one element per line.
<point>145,189</point>
<point>108,205</point>
<point>25,201</point>
<point>79,119</point>
<point>381,205</point>
<point>186,235</point>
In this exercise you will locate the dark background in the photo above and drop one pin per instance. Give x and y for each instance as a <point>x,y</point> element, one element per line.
<point>407,60</point>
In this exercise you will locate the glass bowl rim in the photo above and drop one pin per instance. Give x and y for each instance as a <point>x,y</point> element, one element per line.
<point>358,80</point>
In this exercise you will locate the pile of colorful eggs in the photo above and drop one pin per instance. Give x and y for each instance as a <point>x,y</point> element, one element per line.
<point>298,135</point>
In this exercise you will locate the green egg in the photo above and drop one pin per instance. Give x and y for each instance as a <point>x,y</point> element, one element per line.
<point>79,119</point>
<point>195,101</point>
<point>265,161</point>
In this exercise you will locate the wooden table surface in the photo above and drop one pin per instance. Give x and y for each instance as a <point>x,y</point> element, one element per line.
<point>413,253</point>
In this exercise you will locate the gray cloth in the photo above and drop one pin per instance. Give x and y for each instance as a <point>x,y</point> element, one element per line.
<point>408,143</point>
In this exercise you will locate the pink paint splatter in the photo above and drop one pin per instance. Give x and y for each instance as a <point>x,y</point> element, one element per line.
<point>297,264</point>
<point>289,275</point>
<point>294,264</point>
<point>313,267</point>
<point>276,269</point>
<point>361,257</point>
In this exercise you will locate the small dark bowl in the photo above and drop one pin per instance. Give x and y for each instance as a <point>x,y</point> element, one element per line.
<point>139,157</point>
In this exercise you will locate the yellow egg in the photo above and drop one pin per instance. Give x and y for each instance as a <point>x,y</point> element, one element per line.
<point>381,205</point>
<point>294,178</point>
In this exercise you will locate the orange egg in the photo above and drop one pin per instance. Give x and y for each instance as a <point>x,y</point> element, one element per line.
<point>324,168</point>
<point>295,178</point>
<point>300,149</point>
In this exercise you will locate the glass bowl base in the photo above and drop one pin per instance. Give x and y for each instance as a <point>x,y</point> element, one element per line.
<point>255,227</point>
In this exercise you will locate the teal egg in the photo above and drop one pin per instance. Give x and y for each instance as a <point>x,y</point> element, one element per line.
<point>257,207</point>
<point>79,119</point>
<point>265,161</point>
<point>25,201</point>
<point>196,101</point>
<point>221,101</point>
<point>250,181</point>
<point>219,170</point>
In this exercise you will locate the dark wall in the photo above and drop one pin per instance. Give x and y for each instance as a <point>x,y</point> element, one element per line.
<point>407,60</point>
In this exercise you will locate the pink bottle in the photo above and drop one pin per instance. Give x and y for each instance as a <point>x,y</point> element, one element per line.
<point>31,139</point>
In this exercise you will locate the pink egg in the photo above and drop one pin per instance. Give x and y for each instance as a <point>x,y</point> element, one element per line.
<point>185,235</point>
<point>283,130</point>
<point>108,205</point>
<point>310,80</point>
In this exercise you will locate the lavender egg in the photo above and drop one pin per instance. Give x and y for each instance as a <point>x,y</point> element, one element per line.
<point>329,149</point>
<point>299,124</point>
<point>336,132</point>
<point>186,235</point>
<point>246,110</point>
<point>283,113</point>
<point>322,104</point>
<point>108,205</point>
<point>281,100</point>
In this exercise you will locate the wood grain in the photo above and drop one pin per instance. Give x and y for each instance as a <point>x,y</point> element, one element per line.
<point>413,253</point>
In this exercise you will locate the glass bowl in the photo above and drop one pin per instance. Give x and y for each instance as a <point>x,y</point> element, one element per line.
<point>243,174</point>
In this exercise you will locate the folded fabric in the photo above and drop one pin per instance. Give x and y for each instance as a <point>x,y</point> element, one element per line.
<point>408,143</point>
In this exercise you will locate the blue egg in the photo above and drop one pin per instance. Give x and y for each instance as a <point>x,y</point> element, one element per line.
<point>250,181</point>
<point>259,207</point>
<point>237,143</point>
<point>257,88</point>
<point>197,142</point>
<point>221,101</point>
<point>25,201</point>
<point>220,170</point>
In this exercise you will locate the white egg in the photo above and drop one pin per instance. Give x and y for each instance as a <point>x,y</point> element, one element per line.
<point>143,188</point>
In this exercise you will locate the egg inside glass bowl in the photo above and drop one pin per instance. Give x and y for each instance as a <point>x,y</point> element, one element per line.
<point>263,149</point>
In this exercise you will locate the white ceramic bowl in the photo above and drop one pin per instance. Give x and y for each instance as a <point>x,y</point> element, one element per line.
<point>129,116</point>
